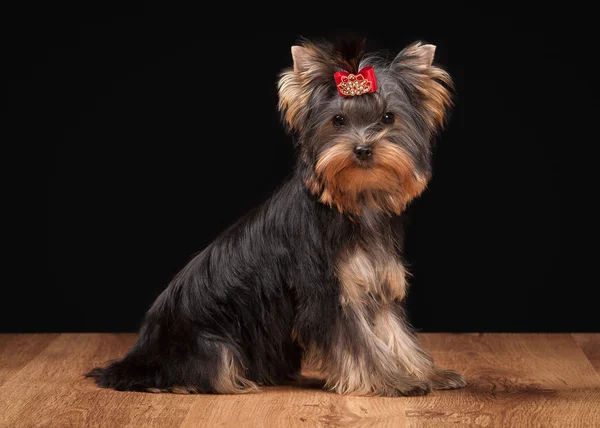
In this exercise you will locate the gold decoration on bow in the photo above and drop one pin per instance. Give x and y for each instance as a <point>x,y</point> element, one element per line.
<point>354,84</point>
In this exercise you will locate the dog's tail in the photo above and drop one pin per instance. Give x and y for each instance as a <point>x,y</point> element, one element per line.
<point>125,375</point>
<point>130,374</point>
<point>100,376</point>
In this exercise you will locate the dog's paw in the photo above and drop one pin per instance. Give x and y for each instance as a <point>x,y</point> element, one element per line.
<point>447,379</point>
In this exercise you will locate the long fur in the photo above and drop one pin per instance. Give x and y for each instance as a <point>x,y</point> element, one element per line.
<point>315,273</point>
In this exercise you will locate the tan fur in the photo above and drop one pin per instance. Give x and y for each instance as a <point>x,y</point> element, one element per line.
<point>403,344</point>
<point>295,84</point>
<point>294,93</point>
<point>363,277</point>
<point>375,368</point>
<point>313,185</point>
<point>431,82</point>
<point>388,185</point>
<point>386,358</point>
<point>379,274</point>
<point>230,379</point>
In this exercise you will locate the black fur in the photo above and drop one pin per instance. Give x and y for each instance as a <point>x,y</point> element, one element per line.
<point>268,284</point>
<point>266,275</point>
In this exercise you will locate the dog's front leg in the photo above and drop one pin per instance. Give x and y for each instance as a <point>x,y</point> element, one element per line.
<point>356,361</point>
<point>391,328</point>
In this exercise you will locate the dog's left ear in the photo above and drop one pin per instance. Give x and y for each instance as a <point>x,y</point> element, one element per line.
<point>417,55</point>
<point>429,86</point>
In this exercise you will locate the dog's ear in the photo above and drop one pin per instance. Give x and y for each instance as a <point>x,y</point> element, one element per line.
<point>429,86</point>
<point>312,73</point>
<point>417,54</point>
<point>302,58</point>
<point>294,85</point>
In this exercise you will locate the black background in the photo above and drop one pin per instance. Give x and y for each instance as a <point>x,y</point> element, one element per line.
<point>143,132</point>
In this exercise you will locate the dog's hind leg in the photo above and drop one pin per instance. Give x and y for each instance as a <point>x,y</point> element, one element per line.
<point>213,368</point>
<point>229,378</point>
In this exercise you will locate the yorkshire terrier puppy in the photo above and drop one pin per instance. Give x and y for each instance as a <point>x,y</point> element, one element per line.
<point>315,274</point>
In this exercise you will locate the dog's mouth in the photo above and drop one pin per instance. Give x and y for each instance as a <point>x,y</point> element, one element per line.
<point>381,175</point>
<point>373,161</point>
<point>365,163</point>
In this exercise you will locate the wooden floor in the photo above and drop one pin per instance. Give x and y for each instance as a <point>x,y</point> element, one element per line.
<point>515,380</point>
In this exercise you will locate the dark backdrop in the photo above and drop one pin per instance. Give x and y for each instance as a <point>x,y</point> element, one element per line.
<point>144,132</point>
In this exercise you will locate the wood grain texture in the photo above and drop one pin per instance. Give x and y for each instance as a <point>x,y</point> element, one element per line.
<point>520,380</point>
<point>16,350</point>
<point>590,345</point>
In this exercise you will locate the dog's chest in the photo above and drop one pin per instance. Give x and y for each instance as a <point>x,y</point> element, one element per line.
<point>370,274</point>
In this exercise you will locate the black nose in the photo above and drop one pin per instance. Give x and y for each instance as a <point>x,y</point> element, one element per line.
<point>363,152</point>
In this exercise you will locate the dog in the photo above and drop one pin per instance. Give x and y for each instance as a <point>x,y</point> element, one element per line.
<point>314,276</point>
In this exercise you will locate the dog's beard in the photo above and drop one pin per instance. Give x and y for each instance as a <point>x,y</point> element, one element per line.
<point>386,182</point>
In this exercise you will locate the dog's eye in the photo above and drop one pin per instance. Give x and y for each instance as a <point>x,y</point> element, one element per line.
<point>339,120</point>
<point>388,118</point>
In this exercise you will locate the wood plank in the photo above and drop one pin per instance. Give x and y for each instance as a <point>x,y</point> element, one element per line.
<point>515,380</point>
<point>590,345</point>
<point>51,390</point>
<point>521,380</point>
<point>296,407</point>
<point>16,350</point>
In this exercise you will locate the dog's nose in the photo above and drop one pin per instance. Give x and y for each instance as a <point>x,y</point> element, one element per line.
<point>363,152</point>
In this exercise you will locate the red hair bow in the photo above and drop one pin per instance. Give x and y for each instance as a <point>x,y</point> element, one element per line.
<point>350,85</point>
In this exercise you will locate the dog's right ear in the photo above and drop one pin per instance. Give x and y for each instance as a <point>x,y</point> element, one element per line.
<point>294,87</point>
<point>302,58</point>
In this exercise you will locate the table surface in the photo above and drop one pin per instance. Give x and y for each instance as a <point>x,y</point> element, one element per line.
<point>520,380</point>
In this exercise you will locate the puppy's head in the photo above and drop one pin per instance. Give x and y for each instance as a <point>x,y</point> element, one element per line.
<point>365,135</point>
